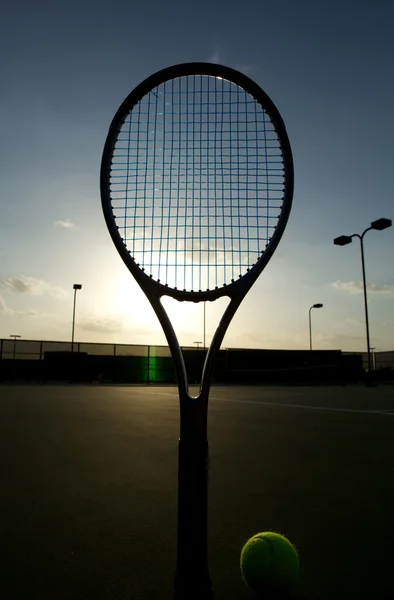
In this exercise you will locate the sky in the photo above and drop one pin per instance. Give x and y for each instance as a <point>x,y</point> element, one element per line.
<point>65,69</point>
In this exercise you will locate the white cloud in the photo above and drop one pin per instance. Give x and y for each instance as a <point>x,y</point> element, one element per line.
<point>356,287</point>
<point>3,306</point>
<point>353,321</point>
<point>65,224</point>
<point>31,286</point>
<point>215,58</point>
<point>244,68</point>
<point>218,59</point>
<point>101,324</point>
<point>338,340</point>
<point>5,310</point>
<point>381,289</point>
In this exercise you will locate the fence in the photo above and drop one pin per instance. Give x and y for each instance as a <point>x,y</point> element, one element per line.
<point>36,349</point>
<point>34,360</point>
<point>42,360</point>
<point>381,361</point>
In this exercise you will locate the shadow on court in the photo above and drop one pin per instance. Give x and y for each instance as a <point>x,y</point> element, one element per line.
<point>90,489</point>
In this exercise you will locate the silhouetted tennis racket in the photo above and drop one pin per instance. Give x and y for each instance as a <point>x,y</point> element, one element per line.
<point>196,187</point>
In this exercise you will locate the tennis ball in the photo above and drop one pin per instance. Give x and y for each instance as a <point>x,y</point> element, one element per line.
<point>269,563</point>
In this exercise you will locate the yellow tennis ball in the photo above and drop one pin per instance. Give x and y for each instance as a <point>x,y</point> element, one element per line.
<point>270,563</point>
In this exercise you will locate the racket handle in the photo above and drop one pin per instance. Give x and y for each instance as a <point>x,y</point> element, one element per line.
<point>192,579</point>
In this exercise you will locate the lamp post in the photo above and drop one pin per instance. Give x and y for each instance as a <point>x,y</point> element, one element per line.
<point>373,359</point>
<point>76,286</point>
<point>310,323</point>
<point>204,346</point>
<point>15,336</point>
<point>343,240</point>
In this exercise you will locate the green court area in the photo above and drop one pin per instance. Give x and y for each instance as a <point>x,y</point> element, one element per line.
<point>89,491</point>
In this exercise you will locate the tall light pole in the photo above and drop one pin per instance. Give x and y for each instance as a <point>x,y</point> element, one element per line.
<point>76,286</point>
<point>310,323</point>
<point>204,346</point>
<point>373,358</point>
<point>343,240</point>
<point>15,336</point>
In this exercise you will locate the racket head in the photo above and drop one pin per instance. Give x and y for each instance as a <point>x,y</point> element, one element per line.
<point>197,180</point>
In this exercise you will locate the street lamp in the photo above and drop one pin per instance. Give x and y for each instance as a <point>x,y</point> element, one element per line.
<point>15,336</point>
<point>310,323</point>
<point>343,240</point>
<point>76,286</point>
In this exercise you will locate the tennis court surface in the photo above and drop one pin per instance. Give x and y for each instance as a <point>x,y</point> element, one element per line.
<point>89,497</point>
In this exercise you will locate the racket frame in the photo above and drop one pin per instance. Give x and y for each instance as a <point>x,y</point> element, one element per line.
<point>192,577</point>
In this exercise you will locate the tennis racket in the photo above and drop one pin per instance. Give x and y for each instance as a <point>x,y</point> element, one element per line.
<point>196,186</point>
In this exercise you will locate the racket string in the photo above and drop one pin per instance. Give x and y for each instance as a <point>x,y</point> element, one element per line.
<point>197,182</point>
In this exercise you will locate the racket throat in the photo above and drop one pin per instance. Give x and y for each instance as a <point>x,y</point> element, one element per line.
<point>192,578</point>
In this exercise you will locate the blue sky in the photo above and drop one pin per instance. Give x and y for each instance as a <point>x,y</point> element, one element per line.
<point>66,67</point>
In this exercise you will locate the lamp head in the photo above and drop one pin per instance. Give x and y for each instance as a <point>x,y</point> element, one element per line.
<point>343,240</point>
<point>381,224</point>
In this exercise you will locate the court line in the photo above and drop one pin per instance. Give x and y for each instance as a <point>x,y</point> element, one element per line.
<point>305,406</point>
<point>388,411</point>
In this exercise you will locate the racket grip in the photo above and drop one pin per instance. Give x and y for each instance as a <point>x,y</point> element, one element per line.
<point>192,580</point>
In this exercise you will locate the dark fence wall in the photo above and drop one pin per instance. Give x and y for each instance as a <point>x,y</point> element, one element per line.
<point>31,360</point>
